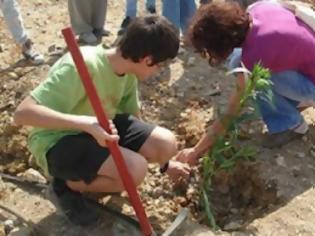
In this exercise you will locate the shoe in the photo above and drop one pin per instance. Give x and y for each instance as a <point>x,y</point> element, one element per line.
<point>101,32</point>
<point>88,38</point>
<point>151,10</point>
<point>29,54</point>
<point>279,139</point>
<point>124,25</point>
<point>72,204</point>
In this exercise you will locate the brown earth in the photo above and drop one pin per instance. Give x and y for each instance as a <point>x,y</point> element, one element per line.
<point>272,195</point>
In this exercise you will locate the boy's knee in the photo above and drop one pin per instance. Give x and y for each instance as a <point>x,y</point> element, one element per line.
<point>139,171</point>
<point>138,167</point>
<point>167,146</point>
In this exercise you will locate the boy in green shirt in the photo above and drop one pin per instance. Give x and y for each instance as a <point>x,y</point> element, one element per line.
<point>68,142</point>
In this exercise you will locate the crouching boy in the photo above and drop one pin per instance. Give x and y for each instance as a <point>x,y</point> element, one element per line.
<point>68,142</point>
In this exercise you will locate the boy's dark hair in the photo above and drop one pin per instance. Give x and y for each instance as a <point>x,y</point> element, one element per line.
<point>151,36</point>
<point>217,28</point>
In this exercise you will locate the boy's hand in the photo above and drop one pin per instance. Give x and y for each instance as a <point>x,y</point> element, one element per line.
<point>178,171</point>
<point>91,126</point>
<point>188,155</point>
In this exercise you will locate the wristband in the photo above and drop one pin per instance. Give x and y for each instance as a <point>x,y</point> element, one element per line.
<point>164,168</point>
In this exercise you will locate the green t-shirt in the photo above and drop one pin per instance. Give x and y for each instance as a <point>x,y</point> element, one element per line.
<point>63,91</point>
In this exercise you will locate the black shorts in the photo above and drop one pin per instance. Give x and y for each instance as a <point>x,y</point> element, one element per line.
<point>79,157</point>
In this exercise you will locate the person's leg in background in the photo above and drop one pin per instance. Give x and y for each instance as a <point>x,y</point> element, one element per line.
<point>187,10</point>
<point>203,1</point>
<point>150,6</point>
<point>131,12</point>
<point>13,20</point>
<point>80,12</point>
<point>282,117</point>
<point>99,17</point>
<point>171,10</point>
<point>234,59</point>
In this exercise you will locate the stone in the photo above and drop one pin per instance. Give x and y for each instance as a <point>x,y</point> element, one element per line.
<point>8,225</point>
<point>280,161</point>
<point>234,211</point>
<point>191,61</point>
<point>239,233</point>
<point>300,155</point>
<point>21,231</point>
<point>181,50</point>
<point>296,171</point>
<point>13,75</point>
<point>33,176</point>
<point>233,225</point>
<point>2,230</point>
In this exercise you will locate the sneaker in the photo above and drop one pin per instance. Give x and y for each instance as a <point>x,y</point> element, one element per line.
<point>99,33</point>
<point>29,54</point>
<point>88,38</point>
<point>71,204</point>
<point>151,9</point>
<point>124,25</point>
<point>279,139</point>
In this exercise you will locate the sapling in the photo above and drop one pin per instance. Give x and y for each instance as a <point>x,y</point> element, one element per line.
<point>224,152</point>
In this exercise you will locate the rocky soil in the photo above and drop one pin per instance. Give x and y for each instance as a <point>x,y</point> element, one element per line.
<point>272,195</point>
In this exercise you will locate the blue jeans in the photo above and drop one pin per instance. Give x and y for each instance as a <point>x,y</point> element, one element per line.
<point>13,20</point>
<point>131,7</point>
<point>290,88</point>
<point>179,12</point>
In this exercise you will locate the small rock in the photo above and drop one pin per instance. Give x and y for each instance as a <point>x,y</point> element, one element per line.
<point>234,211</point>
<point>238,233</point>
<point>21,231</point>
<point>233,225</point>
<point>157,192</point>
<point>312,152</point>
<point>2,230</point>
<point>181,50</point>
<point>304,138</point>
<point>8,225</point>
<point>33,176</point>
<point>300,155</point>
<point>191,61</point>
<point>180,94</point>
<point>296,171</point>
<point>13,75</point>
<point>223,188</point>
<point>280,161</point>
<point>1,48</point>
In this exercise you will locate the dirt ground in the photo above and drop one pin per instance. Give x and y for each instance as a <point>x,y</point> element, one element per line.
<point>273,195</point>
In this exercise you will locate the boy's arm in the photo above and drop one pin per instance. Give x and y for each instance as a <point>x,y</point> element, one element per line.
<point>219,127</point>
<point>29,112</point>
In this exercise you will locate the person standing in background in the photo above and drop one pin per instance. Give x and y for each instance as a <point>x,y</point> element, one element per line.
<point>131,12</point>
<point>87,19</point>
<point>179,12</point>
<point>14,22</point>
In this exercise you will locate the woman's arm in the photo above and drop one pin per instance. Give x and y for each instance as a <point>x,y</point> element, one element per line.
<point>219,127</point>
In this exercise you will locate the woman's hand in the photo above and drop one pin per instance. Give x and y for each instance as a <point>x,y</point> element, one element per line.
<point>188,155</point>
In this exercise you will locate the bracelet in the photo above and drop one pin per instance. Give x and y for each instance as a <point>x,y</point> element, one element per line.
<point>164,168</point>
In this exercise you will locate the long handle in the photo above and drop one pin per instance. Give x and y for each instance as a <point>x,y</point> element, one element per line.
<point>103,120</point>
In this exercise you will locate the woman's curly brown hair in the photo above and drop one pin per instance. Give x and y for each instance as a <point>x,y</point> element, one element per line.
<point>217,28</point>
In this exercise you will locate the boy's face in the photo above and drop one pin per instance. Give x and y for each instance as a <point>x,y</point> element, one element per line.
<point>145,70</point>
